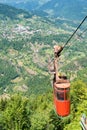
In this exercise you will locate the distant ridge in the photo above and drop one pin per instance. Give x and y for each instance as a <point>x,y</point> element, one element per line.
<point>66,8</point>
<point>12,12</point>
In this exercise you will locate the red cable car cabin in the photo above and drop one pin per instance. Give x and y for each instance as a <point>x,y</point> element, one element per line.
<point>61,88</point>
<point>62,98</point>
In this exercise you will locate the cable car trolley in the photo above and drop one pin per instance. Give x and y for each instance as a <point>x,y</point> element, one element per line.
<point>61,88</point>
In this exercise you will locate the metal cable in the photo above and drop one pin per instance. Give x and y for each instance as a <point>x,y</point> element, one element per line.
<point>74,33</point>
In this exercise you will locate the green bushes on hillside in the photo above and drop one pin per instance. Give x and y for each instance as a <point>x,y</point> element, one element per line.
<point>49,38</point>
<point>7,72</point>
<point>37,112</point>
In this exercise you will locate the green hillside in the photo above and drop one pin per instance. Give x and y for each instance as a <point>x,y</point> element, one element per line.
<point>26,44</point>
<point>66,9</point>
<point>27,4</point>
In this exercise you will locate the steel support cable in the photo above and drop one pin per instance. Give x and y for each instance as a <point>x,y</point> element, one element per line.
<point>74,33</point>
<point>72,36</point>
<point>84,31</point>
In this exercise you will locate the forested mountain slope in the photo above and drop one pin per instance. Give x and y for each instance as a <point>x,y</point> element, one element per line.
<point>26,44</point>
<point>68,9</point>
<point>27,4</point>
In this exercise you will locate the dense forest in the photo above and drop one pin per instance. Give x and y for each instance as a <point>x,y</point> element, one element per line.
<point>18,112</point>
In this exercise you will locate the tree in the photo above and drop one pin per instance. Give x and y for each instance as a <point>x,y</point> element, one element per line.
<point>16,115</point>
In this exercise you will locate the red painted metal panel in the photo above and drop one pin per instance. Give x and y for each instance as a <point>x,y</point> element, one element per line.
<point>62,107</point>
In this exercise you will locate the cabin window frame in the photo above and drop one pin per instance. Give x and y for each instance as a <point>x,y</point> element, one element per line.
<point>62,93</point>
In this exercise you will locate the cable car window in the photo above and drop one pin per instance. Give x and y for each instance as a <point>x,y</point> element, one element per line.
<point>60,88</point>
<point>60,95</point>
<point>67,94</point>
